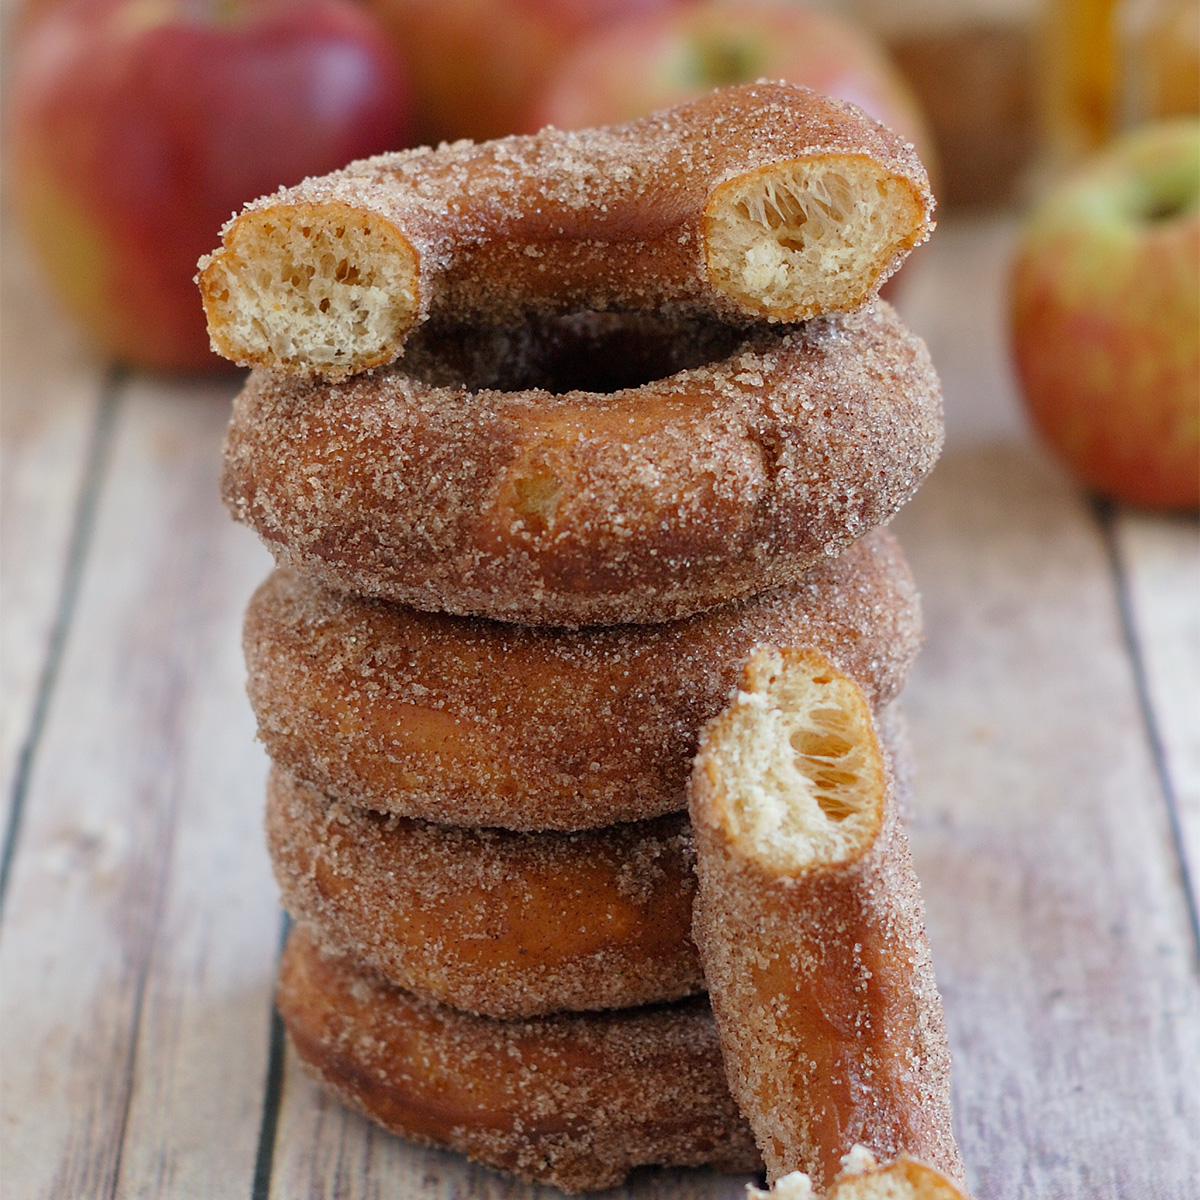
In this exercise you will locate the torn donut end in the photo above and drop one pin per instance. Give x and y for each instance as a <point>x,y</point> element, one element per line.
<point>862,1178</point>
<point>905,1179</point>
<point>796,777</point>
<point>811,235</point>
<point>311,288</point>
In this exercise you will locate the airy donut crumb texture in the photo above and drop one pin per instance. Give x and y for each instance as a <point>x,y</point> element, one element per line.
<point>795,764</point>
<point>862,1178</point>
<point>798,239</point>
<point>317,283</point>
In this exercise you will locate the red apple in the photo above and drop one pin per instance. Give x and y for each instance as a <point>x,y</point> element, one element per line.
<point>1105,318</point>
<point>656,60</point>
<point>137,128</point>
<point>477,64</point>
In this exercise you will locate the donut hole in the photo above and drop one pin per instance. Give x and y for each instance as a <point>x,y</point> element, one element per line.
<point>811,235</point>
<point>598,352</point>
<point>802,774</point>
<point>318,287</point>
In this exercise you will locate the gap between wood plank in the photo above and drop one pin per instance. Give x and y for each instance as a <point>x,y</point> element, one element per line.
<point>82,525</point>
<point>1106,515</point>
<point>264,1159</point>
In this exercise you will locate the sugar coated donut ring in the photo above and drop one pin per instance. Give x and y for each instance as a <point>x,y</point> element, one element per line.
<point>493,922</point>
<point>579,508</point>
<point>768,200</point>
<point>576,1101</point>
<point>471,722</point>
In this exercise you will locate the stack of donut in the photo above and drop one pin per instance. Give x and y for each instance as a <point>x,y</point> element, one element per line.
<point>547,435</point>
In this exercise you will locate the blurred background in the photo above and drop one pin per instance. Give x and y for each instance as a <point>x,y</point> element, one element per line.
<point>134,128</point>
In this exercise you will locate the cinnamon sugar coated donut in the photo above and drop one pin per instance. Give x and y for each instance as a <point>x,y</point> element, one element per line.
<point>809,923</point>
<point>499,923</point>
<point>768,200</point>
<point>580,507</point>
<point>575,1101</point>
<point>472,722</point>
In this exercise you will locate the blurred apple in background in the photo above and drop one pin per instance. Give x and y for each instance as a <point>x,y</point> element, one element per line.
<point>1105,316</point>
<point>656,60</point>
<point>477,64</point>
<point>136,127</point>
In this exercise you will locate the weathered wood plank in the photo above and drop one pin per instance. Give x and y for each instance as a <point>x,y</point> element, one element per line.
<point>140,932</point>
<point>1060,930</point>
<point>50,434</point>
<point>1160,561</point>
<point>952,294</point>
<point>209,981</point>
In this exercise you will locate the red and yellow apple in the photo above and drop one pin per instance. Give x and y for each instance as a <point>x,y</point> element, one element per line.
<point>655,60</point>
<point>138,126</point>
<point>1105,318</point>
<point>477,64</point>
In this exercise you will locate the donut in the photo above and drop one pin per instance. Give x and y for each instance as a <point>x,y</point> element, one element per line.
<point>575,1101</point>
<point>766,201</point>
<point>808,920</point>
<point>493,922</point>
<point>576,508</point>
<point>864,1178</point>
<point>472,722</point>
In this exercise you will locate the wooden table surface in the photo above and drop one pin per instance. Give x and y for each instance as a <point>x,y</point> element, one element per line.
<point>1055,713</point>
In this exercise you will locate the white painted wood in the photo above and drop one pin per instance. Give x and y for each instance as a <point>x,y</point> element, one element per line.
<point>48,404</point>
<point>140,932</point>
<point>953,293</point>
<point>1060,931</point>
<point>210,978</point>
<point>1160,560</point>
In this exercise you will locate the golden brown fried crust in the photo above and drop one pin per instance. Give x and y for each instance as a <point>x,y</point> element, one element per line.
<point>619,217</point>
<point>470,722</point>
<point>583,508</point>
<point>575,1101</point>
<point>822,984</point>
<point>492,922</point>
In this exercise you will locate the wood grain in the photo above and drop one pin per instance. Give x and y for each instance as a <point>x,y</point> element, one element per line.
<point>139,938</point>
<point>53,427</point>
<point>1061,935</point>
<point>1159,561</point>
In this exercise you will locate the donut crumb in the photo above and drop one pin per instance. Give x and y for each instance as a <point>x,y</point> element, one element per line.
<point>797,238</point>
<point>321,287</point>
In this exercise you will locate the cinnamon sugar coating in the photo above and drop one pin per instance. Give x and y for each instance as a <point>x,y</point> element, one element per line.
<point>576,1101</point>
<point>809,923</point>
<point>492,922</point>
<point>471,722</point>
<point>577,508</point>
<point>767,200</point>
